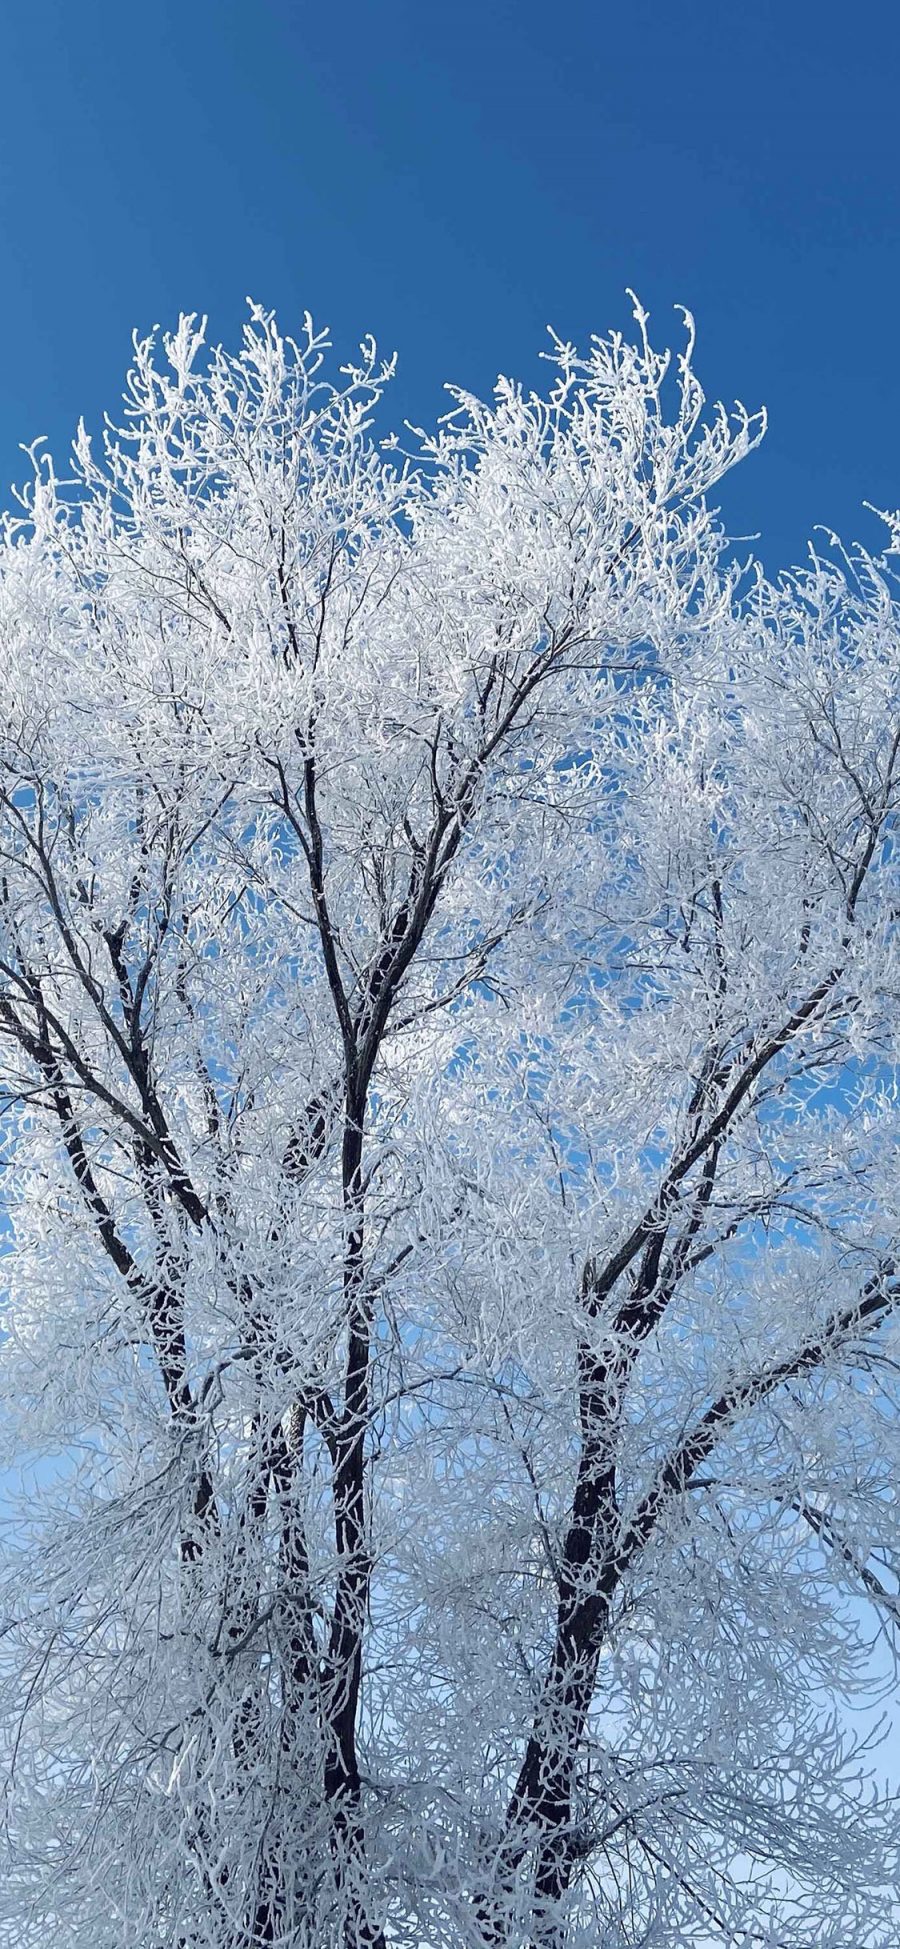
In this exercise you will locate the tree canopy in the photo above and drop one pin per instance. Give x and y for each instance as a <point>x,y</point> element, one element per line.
<point>449,1011</point>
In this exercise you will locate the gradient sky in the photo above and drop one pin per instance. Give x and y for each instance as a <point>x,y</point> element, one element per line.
<point>455,178</point>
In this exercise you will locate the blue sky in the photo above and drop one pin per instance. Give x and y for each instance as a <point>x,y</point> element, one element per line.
<point>454,178</point>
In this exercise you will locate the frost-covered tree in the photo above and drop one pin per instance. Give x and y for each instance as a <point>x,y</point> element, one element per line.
<point>449,1016</point>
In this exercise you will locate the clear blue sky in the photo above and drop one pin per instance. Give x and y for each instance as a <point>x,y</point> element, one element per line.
<point>454,178</point>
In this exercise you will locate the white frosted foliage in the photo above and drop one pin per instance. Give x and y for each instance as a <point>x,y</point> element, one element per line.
<point>449,1008</point>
